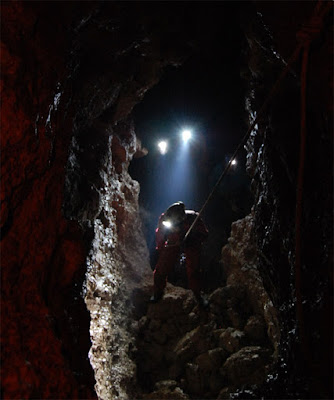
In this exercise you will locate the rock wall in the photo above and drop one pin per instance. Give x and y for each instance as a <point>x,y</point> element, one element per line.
<point>304,301</point>
<point>52,96</point>
<point>71,74</point>
<point>99,192</point>
<point>44,321</point>
<point>117,264</point>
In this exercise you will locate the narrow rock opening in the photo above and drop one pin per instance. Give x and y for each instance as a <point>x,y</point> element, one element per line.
<point>79,82</point>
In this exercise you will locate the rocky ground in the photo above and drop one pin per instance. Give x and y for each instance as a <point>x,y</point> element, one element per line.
<point>185,351</point>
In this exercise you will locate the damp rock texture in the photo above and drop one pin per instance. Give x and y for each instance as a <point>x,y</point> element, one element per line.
<point>70,75</point>
<point>302,295</point>
<point>99,192</point>
<point>185,351</point>
<point>117,263</point>
<point>75,278</point>
<point>44,321</point>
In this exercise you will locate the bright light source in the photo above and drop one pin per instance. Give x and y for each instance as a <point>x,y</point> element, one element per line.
<point>186,135</point>
<point>163,145</point>
<point>167,224</point>
<point>234,162</point>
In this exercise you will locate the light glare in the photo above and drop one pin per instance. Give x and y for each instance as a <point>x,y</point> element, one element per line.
<point>186,135</point>
<point>234,162</point>
<point>167,224</point>
<point>163,145</point>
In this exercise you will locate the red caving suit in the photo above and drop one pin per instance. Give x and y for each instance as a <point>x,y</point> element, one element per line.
<point>169,249</point>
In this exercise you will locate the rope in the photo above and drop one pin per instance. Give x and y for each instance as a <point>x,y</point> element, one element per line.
<point>305,37</point>
<point>249,131</point>
<point>308,33</point>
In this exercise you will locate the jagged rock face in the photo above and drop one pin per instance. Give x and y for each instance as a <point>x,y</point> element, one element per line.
<point>240,258</point>
<point>72,72</point>
<point>71,75</point>
<point>305,365</point>
<point>43,317</point>
<point>66,196</point>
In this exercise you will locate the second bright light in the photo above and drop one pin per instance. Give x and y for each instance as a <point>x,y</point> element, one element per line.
<point>186,135</point>
<point>163,144</point>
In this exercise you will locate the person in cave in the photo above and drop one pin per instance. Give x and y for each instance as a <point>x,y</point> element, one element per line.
<point>172,228</point>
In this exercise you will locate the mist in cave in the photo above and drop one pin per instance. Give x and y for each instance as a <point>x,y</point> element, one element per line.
<point>88,88</point>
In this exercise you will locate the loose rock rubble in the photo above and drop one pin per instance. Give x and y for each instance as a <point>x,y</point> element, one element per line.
<point>185,351</point>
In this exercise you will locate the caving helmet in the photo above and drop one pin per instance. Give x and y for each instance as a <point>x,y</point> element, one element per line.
<point>176,212</point>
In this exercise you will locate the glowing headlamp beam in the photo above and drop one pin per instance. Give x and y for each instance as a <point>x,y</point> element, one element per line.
<point>163,146</point>
<point>167,224</point>
<point>186,135</point>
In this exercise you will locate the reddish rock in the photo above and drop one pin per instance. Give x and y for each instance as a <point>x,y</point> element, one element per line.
<point>42,253</point>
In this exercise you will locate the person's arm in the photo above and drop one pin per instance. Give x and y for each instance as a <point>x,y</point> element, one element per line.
<point>198,233</point>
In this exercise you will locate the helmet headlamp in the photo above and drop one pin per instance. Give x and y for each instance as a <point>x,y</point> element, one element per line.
<point>167,224</point>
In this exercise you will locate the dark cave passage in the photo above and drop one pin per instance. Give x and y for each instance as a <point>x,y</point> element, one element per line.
<point>87,90</point>
<point>207,95</point>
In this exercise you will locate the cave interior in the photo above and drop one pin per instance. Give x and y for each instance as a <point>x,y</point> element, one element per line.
<point>87,89</point>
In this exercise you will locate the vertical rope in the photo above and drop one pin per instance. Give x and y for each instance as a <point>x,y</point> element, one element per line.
<point>270,96</point>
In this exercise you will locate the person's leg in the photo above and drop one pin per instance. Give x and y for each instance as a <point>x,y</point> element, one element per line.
<point>193,273</point>
<point>166,262</point>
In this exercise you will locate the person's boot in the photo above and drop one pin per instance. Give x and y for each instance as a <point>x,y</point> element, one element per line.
<point>156,297</point>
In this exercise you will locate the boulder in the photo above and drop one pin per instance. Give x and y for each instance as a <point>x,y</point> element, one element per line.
<point>231,340</point>
<point>227,295</point>
<point>166,394</point>
<point>195,379</point>
<point>169,383</point>
<point>248,366</point>
<point>175,301</point>
<point>194,342</point>
<point>225,393</point>
<point>212,360</point>
<point>255,328</point>
<point>235,319</point>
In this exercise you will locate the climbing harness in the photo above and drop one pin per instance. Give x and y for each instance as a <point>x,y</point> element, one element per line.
<point>308,33</point>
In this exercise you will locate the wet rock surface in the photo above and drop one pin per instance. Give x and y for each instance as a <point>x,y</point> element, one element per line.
<point>68,203</point>
<point>71,74</point>
<point>272,162</point>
